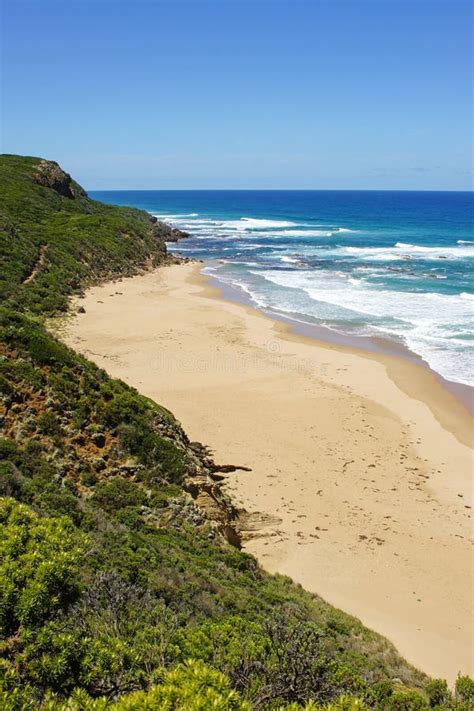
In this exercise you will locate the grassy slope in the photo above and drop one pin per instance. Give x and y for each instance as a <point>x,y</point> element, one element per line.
<point>153,582</point>
<point>81,240</point>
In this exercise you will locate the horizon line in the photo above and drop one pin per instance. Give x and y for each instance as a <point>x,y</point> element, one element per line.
<point>283,190</point>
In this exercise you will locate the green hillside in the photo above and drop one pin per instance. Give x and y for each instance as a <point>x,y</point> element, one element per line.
<point>54,238</point>
<point>122,585</point>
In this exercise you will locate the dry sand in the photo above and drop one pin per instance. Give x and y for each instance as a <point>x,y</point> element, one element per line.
<point>361,464</point>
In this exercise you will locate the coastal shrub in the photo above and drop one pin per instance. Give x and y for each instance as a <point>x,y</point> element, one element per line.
<point>39,561</point>
<point>379,692</point>
<point>162,454</point>
<point>344,703</point>
<point>12,483</point>
<point>192,686</point>
<point>29,464</point>
<point>132,416</point>
<point>110,642</point>
<point>51,657</point>
<point>177,693</point>
<point>58,501</point>
<point>27,477</point>
<point>131,516</point>
<point>88,478</point>
<point>408,700</point>
<point>6,388</point>
<point>118,493</point>
<point>17,699</point>
<point>43,349</point>
<point>437,692</point>
<point>464,690</point>
<point>274,662</point>
<point>8,448</point>
<point>124,407</point>
<point>48,423</point>
<point>223,644</point>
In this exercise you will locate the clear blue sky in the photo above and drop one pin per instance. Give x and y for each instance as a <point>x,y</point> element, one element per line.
<point>242,93</point>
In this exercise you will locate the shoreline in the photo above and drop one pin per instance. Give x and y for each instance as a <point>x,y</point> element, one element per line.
<point>360,477</point>
<point>324,335</point>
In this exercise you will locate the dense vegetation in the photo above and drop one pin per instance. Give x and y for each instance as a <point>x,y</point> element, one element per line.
<point>52,232</point>
<point>118,586</point>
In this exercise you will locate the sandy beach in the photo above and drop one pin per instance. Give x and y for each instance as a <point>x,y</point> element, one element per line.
<point>361,464</point>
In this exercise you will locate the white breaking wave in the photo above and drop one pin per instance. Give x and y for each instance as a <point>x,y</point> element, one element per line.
<point>323,286</point>
<point>328,232</point>
<point>305,233</point>
<point>248,226</point>
<point>290,260</point>
<point>429,323</point>
<point>253,223</point>
<point>454,251</point>
<point>404,250</point>
<point>175,217</point>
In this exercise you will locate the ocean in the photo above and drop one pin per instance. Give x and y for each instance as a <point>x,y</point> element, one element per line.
<point>396,265</point>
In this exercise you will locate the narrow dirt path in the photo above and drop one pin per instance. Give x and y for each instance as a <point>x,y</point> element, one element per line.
<point>38,265</point>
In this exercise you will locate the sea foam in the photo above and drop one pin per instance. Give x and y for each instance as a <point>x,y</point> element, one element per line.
<point>431,324</point>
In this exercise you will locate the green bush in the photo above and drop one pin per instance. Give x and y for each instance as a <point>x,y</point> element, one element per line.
<point>118,493</point>
<point>465,690</point>
<point>406,701</point>
<point>39,560</point>
<point>48,423</point>
<point>192,686</point>
<point>438,692</point>
<point>124,408</point>
<point>12,483</point>
<point>43,349</point>
<point>8,448</point>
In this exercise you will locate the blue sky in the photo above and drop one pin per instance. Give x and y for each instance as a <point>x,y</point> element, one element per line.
<point>242,93</point>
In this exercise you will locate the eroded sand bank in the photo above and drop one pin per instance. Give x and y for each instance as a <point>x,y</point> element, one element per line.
<point>360,463</point>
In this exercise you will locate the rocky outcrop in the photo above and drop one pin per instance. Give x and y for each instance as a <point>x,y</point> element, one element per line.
<point>216,506</point>
<point>50,175</point>
<point>166,233</point>
<point>203,485</point>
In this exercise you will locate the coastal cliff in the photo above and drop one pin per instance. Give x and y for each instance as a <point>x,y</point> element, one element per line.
<point>122,582</point>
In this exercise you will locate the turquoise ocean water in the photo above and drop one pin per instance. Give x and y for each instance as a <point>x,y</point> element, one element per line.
<point>362,263</point>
